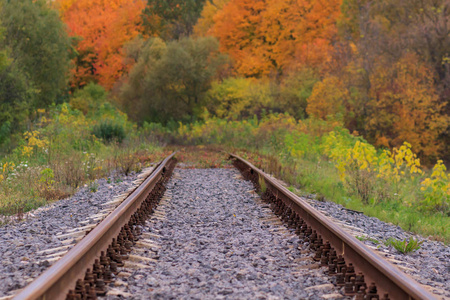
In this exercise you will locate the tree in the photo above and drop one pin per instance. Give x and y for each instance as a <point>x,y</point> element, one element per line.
<point>385,32</point>
<point>170,79</point>
<point>295,89</point>
<point>270,36</point>
<point>14,95</point>
<point>206,20</point>
<point>171,19</point>
<point>38,47</point>
<point>103,28</point>
<point>405,107</point>
<point>329,99</point>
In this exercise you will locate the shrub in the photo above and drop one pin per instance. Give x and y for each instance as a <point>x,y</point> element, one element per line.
<point>109,132</point>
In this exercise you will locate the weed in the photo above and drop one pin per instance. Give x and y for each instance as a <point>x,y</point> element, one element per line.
<point>366,238</point>
<point>93,186</point>
<point>404,246</point>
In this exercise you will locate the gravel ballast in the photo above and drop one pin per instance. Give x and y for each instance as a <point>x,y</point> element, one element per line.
<point>22,243</point>
<point>215,241</point>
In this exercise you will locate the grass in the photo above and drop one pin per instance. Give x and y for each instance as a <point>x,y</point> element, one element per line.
<point>404,246</point>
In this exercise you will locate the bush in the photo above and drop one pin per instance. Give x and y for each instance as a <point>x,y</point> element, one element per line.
<point>89,99</point>
<point>109,132</point>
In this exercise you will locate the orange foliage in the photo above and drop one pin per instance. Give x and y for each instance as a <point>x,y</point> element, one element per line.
<point>328,99</point>
<point>206,20</point>
<point>266,36</point>
<point>405,107</point>
<point>104,26</point>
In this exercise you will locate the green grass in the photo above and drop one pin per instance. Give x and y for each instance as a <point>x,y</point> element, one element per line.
<point>404,246</point>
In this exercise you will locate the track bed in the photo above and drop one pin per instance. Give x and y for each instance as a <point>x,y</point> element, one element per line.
<point>218,241</point>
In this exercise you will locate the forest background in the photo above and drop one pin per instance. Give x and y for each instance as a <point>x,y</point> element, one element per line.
<point>346,99</point>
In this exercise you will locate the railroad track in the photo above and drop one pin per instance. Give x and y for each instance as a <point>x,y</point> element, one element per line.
<point>85,270</point>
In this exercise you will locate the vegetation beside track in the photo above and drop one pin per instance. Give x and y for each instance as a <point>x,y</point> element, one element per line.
<point>67,147</point>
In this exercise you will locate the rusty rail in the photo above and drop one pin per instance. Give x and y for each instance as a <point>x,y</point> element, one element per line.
<point>56,282</point>
<point>388,278</point>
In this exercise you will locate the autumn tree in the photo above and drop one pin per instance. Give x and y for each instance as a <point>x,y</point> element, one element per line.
<point>267,36</point>
<point>329,99</point>
<point>206,20</point>
<point>405,107</point>
<point>103,27</point>
<point>171,19</point>
<point>170,79</point>
<point>384,32</point>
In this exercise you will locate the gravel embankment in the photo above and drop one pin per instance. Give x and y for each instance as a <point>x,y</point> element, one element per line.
<point>214,243</point>
<point>430,265</point>
<point>22,243</point>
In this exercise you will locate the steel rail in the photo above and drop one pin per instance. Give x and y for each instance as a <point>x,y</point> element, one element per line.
<point>388,278</point>
<point>55,282</point>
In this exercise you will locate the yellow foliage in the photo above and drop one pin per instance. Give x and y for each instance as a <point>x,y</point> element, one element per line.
<point>436,189</point>
<point>33,142</point>
<point>6,170</point>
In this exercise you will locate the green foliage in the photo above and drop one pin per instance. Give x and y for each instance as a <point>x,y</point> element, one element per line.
<point>47,177</point>
<point>92,91</point>
<point>404,246</point>
<point>39,47</point>
<point>34,62</point>
<point>14,92</point>
<point>171,19</point>
<point>109,132</point>
<point>89,99</point>
<point>294,92</point>
<point>169,80</point>
<point>5,131</point>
